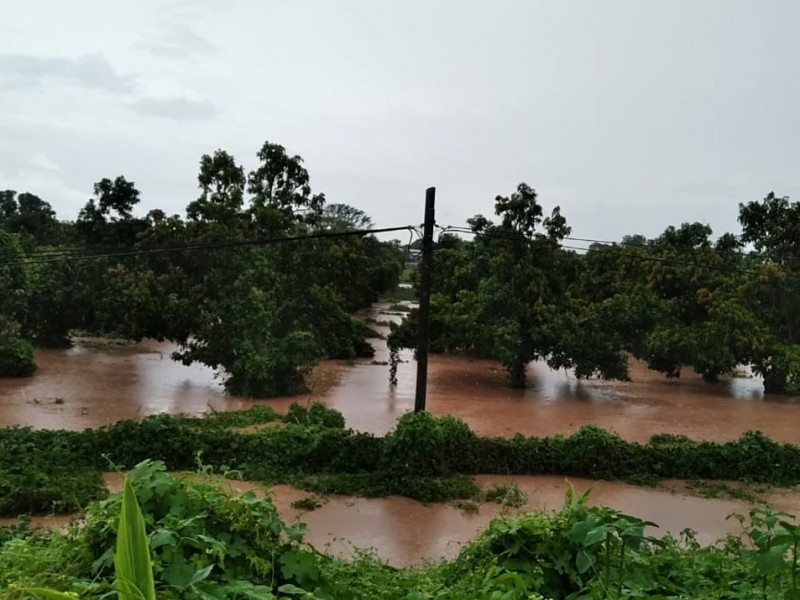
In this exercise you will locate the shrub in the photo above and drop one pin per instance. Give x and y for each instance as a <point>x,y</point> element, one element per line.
<point>16,358</point>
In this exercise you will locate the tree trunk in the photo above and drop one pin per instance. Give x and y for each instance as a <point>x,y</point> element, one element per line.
<point>774,383</point>
<point>517,374</point>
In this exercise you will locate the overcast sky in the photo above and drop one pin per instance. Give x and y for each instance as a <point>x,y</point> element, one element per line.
<point>630,115</point>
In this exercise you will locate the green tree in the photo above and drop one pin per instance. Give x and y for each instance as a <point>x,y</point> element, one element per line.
<point>16,354</point>
<point>772,226</point>
<point>31,217</point>
<point>507,294</point>
<point>107,219</point>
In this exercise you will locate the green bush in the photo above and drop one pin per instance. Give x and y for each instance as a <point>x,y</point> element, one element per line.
<point>426,457</point>
<point>16,358</point>
<point>423,444</point>
<point>206,543</point>
<point>317,414</point>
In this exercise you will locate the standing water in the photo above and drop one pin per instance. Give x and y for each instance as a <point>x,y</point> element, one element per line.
<point>89,386</point>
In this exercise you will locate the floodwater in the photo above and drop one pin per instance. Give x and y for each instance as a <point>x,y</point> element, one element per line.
<point>404,532</point>
<point>87,386</point>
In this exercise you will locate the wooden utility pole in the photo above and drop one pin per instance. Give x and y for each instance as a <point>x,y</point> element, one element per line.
<point>425,282</point>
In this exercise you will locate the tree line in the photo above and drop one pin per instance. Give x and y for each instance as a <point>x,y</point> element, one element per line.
<point>262,314</point>
<point>515,291</point>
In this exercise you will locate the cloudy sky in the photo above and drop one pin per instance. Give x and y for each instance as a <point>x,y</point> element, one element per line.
<point>631,115</point>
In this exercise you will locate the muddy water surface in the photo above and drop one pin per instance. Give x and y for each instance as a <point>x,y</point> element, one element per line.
<point>405,532</point>
<point>86,386</point>
<point>89,386</point>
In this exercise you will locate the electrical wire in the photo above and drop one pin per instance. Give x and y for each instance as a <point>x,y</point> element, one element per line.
<point>644,257</point>
<point>69,256</point>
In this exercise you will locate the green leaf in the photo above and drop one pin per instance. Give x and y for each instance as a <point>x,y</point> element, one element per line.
<point>299,565</point>
<point>584,561</point>
<point>163,538</point>
<point>179,573</point>
<point>292,590</point>
<point>770,561</point>
<point>201,575</point>
<point>596,535</point>
<point>50,594</point>
<point>132,561</point>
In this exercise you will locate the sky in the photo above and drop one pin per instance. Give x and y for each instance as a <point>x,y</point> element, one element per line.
<point>631,115</point>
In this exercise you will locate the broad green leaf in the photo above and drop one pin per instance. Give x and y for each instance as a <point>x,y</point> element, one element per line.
<point>583,561</point>
<point>596,535</point>
<point>770,561</point>
<point>201,575</point>
<point>132,561</point>
<point>292,590</point>
<point>163,538</point>
<point>179,573</point>
<point>299,565</point>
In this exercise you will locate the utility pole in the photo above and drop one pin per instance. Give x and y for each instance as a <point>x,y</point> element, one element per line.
<point>425,282</point>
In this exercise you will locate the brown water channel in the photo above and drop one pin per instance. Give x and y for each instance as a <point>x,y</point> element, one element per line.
<point>405,532</point>
<point>89,386</point>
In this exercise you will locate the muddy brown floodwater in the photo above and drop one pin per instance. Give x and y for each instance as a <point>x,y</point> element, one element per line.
<point>404,532</point>
<point>89,386</point>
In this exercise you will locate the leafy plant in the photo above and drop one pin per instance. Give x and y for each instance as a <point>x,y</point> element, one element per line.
<point>134,571</point>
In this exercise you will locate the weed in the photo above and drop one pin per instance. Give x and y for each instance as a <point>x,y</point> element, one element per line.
<point>753,494</point>
<point>469,507</point>
<point>507,494</point>
<point>308,503</point>
<point>202,542</point>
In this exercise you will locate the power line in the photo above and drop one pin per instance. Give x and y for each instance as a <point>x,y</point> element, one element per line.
<point>69,256</point>
<point>460,229</point>
<point>644,257</point>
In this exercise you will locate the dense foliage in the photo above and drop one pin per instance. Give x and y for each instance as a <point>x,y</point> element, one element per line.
<point>262,313</point>
<point>205,543</point>
<point>517,292</point>
<point>426,457</point>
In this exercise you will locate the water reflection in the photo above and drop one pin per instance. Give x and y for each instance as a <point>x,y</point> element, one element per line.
<point>85,386</point>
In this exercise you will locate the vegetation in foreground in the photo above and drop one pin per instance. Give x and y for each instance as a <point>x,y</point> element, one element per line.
<point>427,458</point>
<point>204,543</point>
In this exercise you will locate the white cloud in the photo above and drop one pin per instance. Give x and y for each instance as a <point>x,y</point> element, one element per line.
<point>181,109</point>
<point>41,162</point>
<point>176,42</point>
<point>88,71</point>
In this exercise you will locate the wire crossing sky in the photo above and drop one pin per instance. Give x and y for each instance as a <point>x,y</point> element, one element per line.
<point>630,115</point>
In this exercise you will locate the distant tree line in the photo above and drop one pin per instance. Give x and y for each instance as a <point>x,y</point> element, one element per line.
<point>513,292</point>
<point>262,314</point>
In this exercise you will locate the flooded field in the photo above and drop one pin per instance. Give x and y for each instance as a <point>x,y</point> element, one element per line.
<point>91,386</point>
<point>405,532</point>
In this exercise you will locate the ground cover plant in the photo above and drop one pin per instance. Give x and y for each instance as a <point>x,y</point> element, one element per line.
<point>426,457</point>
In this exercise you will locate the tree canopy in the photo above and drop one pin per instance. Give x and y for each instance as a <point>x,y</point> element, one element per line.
<point>262,314</point>
<point>516,292</point>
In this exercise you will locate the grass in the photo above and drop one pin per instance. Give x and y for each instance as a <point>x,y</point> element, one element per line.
<point>746,492</point>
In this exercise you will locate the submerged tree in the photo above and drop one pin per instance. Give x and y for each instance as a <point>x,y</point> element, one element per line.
<point>506,295</point>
